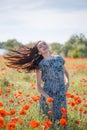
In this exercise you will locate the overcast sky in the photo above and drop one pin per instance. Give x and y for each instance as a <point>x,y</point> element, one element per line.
<point>49,20</point>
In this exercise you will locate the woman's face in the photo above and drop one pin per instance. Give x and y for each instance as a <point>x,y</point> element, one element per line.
<point>42,47</point>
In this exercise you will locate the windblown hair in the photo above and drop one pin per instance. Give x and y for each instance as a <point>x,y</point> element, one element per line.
<point>24,58</point>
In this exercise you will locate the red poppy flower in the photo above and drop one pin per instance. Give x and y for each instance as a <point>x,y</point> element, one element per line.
<point>50,99</point>
<point>76,121</point>
<point>1,104</point>
<point>1,122</point>
<point>47,123</point>
<point>12,112</point>
<point>34,124</point>
<point>63,110</point>
<point>50,112</point>
<point>26,107</point>
<point>3,112</point>
<point>63,121</point>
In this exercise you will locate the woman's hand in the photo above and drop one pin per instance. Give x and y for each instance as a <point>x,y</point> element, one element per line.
<point>66,76</point>
<point>50,105</point>
<point>49,101</point>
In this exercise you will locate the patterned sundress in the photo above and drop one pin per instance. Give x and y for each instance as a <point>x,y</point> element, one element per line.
<point>54,86</point>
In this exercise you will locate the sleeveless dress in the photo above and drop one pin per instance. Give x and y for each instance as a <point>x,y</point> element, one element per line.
<point>53,79</point>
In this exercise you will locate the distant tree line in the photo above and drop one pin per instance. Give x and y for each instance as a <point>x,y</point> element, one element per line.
<point>75,47</point>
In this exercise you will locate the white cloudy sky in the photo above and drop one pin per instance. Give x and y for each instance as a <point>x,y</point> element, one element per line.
<point>49,20</point>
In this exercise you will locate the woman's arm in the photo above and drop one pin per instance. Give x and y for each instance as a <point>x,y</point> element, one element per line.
<point>40,89</point>
<point>66,76</point>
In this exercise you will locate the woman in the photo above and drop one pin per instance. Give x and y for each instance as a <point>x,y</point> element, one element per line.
<point>49,69</point>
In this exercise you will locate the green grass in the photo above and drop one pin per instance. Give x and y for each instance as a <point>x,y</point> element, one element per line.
<point>23,83</point>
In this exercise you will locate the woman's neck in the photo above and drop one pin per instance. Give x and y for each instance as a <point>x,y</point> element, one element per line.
<point>47,56</point>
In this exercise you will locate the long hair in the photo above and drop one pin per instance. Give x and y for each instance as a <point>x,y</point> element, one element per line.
<point>24,58</point>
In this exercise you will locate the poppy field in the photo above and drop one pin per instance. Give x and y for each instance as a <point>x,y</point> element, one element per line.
<point>19,99</point>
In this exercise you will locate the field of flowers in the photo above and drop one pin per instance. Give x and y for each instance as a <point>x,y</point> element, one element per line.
<point>19,99</point>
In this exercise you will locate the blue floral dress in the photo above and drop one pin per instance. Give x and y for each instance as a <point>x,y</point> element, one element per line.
<point>53,79</point>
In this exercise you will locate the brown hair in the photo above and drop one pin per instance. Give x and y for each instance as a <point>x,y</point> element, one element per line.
<point>24,59</point>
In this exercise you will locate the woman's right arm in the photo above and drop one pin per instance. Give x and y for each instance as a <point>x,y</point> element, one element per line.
<point>40,89</point>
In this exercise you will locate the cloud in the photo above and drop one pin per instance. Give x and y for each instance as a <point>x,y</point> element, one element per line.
<point>47,19</point>
<point>42,4</point>
<point>28,20</point>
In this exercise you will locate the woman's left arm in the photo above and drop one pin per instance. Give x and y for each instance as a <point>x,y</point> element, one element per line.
<point>66,76</point>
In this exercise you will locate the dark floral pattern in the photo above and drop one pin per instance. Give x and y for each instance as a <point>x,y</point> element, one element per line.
<point>53,79</point>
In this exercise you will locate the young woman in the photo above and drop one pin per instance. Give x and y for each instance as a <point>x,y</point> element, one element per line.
<point>49,69</point>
